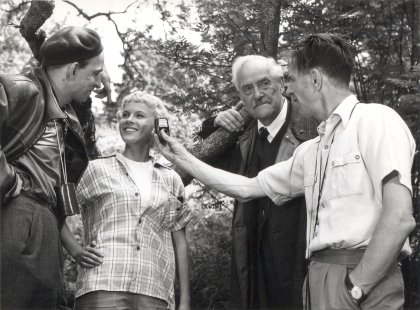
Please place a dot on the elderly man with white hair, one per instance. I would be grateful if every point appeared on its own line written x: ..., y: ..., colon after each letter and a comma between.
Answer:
x: 268, y: 261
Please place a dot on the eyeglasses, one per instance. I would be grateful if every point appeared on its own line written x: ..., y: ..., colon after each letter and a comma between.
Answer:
x: 249, y: 89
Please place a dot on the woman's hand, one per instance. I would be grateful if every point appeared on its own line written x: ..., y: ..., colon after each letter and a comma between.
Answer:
x: 89, y: 257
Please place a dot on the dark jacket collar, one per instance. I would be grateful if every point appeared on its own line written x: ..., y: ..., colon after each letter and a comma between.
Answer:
x: 52, y: 110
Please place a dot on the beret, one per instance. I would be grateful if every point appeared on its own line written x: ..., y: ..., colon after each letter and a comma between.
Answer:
x: 71, y: 44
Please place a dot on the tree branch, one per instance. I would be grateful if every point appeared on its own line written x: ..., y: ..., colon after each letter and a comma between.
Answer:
x: 214, y: 146
x: 89, y: 18
x: 240, y: 29
x: 30, y: 25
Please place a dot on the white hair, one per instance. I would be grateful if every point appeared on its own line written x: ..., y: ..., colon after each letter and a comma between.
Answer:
x: 153, y: 102
x: 275, y: 69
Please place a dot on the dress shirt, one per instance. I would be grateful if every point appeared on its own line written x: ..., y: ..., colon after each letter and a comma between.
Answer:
x: 358, y: 146
x: 136, y: 242
x: 276, y: 125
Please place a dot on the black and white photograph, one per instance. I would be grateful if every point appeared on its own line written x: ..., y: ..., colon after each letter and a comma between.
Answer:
x: 209, y: 154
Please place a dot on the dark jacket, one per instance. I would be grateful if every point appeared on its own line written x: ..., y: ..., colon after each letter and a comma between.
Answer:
x: 26, y: 106
x: 286, y: 223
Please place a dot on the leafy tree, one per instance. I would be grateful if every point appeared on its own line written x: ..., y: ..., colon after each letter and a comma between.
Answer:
x: 14, y: 51
x: 195, y: 79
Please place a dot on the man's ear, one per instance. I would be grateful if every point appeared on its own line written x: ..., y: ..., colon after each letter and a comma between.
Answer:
x: 73, y: 71
x: 316, y: 79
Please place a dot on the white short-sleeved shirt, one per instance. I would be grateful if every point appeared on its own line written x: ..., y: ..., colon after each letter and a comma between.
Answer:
x: 358, y: 145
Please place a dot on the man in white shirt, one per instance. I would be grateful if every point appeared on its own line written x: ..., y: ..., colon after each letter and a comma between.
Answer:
x: 356, y: 178
x: 268, y: 265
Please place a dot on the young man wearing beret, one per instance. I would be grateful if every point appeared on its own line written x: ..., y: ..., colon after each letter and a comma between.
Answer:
x: 38, y: 129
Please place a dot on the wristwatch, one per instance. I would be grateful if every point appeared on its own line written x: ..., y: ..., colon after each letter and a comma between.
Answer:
x: 355, y: 292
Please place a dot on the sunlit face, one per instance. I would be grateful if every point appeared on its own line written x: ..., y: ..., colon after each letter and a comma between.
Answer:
x: 259, y: 91
x: 300, y: 91
x: 87, y: 79
x: 136, y: 123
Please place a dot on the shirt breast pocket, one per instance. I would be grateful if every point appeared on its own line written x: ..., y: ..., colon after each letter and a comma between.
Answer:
x: 170, y: 212
x: 346, y: 175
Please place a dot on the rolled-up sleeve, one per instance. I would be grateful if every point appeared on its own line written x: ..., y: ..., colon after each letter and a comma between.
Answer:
x: 387, y: 145
x: 284, y: 180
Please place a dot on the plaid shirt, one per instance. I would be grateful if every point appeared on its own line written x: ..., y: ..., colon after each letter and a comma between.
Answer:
x: 137, y: 244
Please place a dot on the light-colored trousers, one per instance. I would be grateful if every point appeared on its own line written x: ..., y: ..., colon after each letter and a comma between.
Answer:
x: 329, y: 291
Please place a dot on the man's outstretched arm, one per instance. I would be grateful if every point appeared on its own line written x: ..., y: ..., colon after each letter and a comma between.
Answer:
x: 236, y: 186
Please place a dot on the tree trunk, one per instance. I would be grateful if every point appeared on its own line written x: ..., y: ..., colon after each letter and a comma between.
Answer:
x: 214, y: 146
x: 413, y: 9
x: 269, y: 29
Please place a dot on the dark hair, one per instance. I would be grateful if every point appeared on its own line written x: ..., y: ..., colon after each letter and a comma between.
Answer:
x: 329, y: 53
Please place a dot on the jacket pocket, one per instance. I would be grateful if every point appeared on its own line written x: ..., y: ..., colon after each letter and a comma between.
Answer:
x: 346, y: 175
x: 28, y: 232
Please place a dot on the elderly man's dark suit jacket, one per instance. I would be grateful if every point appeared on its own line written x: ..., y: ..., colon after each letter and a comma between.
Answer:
x: 286, y: 223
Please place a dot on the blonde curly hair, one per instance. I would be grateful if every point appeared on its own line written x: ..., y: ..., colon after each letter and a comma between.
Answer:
x: 157, y: 106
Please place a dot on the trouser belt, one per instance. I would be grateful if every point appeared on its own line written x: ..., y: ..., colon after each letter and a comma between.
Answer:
x: 338, y: 256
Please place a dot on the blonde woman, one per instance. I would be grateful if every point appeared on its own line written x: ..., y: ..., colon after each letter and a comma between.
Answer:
x: 133, y: 212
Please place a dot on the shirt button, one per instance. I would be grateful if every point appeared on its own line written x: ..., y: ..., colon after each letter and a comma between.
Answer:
x: 126, y: 174
x: 322, y: 205
x: 139, y: 221
x: 138, y: 248
x: 301, y: 130
x: 332, y: 164
x: 326, y: 147
x: 357, y: 156
x: 178, y: 209
x: 137, y: 194
x: 316, y: 234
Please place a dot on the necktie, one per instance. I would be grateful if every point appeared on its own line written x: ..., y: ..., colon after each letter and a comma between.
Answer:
x: 263, y: 133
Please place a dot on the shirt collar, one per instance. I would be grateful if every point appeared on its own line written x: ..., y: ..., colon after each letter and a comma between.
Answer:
x: 276, y: 125
x: 344, y: 110
x: 157, y: 160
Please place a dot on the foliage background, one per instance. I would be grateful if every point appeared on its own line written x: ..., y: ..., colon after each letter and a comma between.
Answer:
x: 194, y: 80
